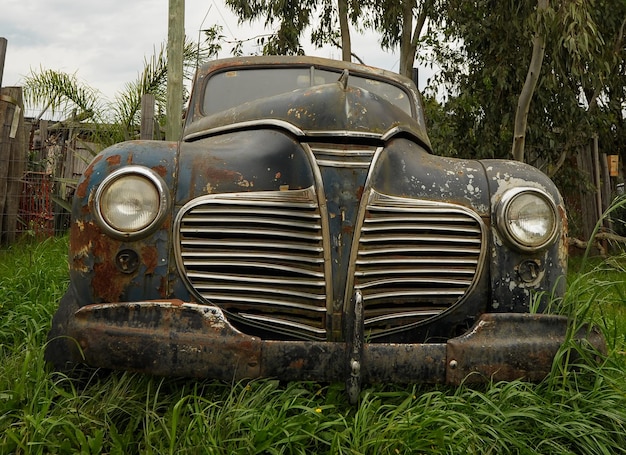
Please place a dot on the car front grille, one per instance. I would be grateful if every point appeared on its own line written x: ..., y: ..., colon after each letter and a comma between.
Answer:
x: 415, y: 260
x: 259, y: 256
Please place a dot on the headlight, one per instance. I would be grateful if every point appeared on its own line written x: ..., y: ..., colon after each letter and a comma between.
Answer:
x: 527, y: 217
x: 131, y: 202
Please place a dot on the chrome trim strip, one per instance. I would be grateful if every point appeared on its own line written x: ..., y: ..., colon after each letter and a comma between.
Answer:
x: 264, y: 290
x: 328, y: 163
x: 225, y: 243
x: 422, y: 249
x: 343, y: 156
x: 390, y: 317
x: 343, y: 152
x: 244, y: 125
x: 274, y: 321
x: 274, y: 303
x: 343, y: 133
x: 257, y: 265
x: 247, y: 279
x: 321, y: 200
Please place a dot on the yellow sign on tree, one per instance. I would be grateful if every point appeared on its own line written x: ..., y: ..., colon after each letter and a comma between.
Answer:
x: 613, y: 165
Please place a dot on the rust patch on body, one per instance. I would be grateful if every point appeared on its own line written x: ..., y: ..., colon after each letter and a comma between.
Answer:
x: 81, y: 190
x: 108, y: 284
x: 114, y: 160
x: 222, y: 175
x: 150, y: 257
x: 161, y: 170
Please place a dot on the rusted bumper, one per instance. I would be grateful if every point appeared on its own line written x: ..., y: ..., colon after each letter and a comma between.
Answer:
x: 173, y: 338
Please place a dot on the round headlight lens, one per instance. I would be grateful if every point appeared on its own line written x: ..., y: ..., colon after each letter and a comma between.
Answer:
x: 130, y: 201
x: 529, y: 218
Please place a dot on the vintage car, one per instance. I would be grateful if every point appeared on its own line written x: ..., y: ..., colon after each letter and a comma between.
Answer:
x: 302, y: 229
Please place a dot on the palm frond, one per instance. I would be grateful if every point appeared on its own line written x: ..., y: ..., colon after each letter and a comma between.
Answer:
x: 62, y: 93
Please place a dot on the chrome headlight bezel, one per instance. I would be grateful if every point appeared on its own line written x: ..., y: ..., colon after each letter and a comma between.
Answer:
x: 161, y: 206
x: 512, y: 201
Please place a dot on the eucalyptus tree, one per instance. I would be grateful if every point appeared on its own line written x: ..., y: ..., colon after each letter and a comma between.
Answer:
x: 490, y: 57
x: 290, y: 17
x: 402, y: 25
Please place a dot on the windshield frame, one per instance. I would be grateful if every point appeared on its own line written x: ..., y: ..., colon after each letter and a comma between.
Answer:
x: 296, y: 77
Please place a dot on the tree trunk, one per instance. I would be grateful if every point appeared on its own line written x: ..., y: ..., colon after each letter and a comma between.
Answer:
x: 410, y: 38
x: 346, y: 44
x: 523, y: 103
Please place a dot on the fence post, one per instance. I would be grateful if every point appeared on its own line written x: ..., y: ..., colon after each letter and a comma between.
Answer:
x: 147, y: 117
x: 12, y: 159
x: 3, y: 53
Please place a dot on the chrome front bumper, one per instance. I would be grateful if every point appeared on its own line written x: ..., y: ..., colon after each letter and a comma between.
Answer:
x: 174, y: 338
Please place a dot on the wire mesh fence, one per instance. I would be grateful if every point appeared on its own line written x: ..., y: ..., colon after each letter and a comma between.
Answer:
x: 40, y: 162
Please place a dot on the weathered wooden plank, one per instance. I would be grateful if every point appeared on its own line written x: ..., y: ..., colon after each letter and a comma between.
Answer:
x: 11, y: 148
x: 17, y: 164
x: 147, y: 117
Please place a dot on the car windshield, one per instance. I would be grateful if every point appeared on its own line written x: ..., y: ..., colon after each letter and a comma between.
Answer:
x: 231, y: 88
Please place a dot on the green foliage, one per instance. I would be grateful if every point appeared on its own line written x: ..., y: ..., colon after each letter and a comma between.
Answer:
x: 292, y: 18
x: 576, y: 410
x: 61, y: 91
x: 32, y: 277
x: 484, y: 52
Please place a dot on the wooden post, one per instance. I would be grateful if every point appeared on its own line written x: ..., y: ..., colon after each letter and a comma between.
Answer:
x: 607, y: 197
x: 588, y: 210
x: 12, y: 159
x: 147, y: 117
x: 3, y: 53
x: 597, y: 181
x: 606, y: 181
x: 175, y: 44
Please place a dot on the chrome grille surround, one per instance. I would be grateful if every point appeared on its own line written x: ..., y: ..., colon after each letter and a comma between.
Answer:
x: 415, y: 259
x: 259, y: 256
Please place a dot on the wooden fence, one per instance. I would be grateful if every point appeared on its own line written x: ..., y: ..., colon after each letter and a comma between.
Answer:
x: 13, y: 157
x: 40, y: 161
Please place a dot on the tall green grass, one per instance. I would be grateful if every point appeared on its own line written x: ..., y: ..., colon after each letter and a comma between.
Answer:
x: 579, y: 410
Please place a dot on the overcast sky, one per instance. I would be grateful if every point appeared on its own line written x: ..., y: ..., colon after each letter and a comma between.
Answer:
x: 105, y: 42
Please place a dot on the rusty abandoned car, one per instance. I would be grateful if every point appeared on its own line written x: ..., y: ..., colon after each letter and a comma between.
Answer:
x: 302, y: 229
